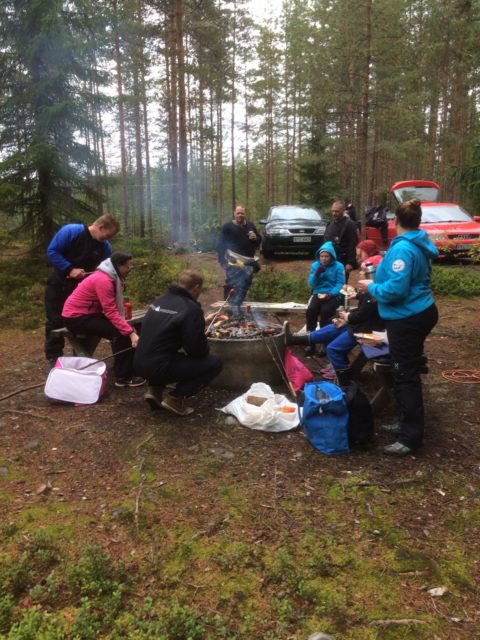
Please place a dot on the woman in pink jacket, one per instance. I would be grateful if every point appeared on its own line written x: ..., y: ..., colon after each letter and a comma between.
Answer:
x: 96, y: 308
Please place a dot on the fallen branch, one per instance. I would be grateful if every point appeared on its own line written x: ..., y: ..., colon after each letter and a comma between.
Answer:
x: 143, y: 477
x: 27, y: 413
x: 391, y: 623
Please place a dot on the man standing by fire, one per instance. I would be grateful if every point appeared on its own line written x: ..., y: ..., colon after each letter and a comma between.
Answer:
x: 239, y: 239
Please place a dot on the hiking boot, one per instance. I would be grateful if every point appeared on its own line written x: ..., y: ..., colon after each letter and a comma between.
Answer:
x: 329, y: 375
x: 391, y: 428
x: 153, y: 395
x: 344, y: 377
x: 327, y: 369
x: 176, y: 404
x: 295, y: 338
x: 397, y: 449
x: 130, y: 382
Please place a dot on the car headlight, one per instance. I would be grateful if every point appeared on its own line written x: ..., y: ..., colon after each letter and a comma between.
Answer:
x: 277, y: 232
x: 319, y: 231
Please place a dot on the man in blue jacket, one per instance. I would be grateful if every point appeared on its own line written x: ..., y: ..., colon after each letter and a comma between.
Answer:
x: 74, y: 252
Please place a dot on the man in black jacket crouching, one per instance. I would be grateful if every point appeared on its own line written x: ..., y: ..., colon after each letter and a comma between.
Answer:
x: 173, y: 346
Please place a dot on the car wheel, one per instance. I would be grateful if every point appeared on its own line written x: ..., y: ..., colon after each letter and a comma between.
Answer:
x: 267, y: 252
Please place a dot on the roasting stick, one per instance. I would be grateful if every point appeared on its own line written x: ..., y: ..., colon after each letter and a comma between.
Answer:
x: 278, y: 362
x: 230, y: 293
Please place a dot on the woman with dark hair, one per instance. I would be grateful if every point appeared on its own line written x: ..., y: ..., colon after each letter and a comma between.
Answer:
x: 96, y: 308
x: 405, y: 302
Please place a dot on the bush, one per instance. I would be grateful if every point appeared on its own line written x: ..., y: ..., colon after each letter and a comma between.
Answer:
x: 270, y: 285
x: 455, y: 281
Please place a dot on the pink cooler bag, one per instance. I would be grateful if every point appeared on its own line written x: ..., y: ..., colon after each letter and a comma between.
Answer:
x: 71, y: 380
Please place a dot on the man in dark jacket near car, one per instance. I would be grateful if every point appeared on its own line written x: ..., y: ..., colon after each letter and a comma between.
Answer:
x: 342, y: 232
x: 173, y: 346
x: 236, y: 254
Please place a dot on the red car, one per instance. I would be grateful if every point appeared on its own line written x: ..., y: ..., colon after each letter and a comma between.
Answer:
x: 450, y: 228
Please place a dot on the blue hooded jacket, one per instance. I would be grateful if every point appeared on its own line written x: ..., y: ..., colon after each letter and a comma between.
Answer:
x: 333, y: 277
x: 402, y: 279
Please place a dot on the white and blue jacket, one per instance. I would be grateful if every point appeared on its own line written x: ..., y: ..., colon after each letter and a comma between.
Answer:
x: 402, y: 279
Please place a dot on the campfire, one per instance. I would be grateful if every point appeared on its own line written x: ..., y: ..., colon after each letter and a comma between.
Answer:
x: 242, y: 329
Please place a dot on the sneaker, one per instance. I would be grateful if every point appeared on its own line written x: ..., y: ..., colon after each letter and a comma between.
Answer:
x: 329, y: 375
x: 327, y: 369
x: 397, y: 449
x: 176, y: 404
x: 130, y: 382
x: 153, y: 395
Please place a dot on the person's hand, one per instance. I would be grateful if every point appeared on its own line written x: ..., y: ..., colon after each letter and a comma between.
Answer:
x: 348, y: 268
x: 362, y: 285
x: 252, y: 235
x: 134, y: 339
x: 209, y: 317
x: 339, y: 322
x: 344, y: 315
x: 77, y: 274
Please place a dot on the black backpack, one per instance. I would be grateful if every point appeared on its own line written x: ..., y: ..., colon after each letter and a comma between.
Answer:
x: 360, y: 422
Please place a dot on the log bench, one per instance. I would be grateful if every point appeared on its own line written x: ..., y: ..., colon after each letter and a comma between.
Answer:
x: 379, y: 357
x: 85, y: 345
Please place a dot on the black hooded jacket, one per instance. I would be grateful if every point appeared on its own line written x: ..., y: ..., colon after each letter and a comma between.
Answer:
x: 174, y: 321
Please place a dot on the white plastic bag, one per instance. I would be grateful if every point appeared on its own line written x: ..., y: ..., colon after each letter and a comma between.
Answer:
x: 266, y: 417
x: 68, y: 381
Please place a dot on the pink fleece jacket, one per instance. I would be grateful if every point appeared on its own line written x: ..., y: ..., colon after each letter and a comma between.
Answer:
x: 94, y: 295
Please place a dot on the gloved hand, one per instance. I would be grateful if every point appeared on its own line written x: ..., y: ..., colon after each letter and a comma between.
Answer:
x: 319, y: 270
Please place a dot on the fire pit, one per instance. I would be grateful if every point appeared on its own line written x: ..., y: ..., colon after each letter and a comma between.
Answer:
x: 247, y: 350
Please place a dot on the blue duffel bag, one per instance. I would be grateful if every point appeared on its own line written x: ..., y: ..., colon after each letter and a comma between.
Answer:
x: 324, y: 417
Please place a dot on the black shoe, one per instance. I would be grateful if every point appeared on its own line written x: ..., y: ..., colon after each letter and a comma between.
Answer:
x: 130, y: 382
x: 397, y: 449
x: 295, y: 338
x: 344, y: 377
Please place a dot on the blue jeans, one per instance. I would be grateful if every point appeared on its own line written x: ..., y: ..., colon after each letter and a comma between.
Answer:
x: 240, y: 280
x: 339, y: 343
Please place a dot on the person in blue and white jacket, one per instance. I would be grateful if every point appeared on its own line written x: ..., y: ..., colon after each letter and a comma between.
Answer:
x: 326, y: 279
x: 405, y: 302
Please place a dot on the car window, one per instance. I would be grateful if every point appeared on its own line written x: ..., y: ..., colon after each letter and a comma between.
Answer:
x: 293, y: 213
x: 444, y: 213
x: 427, y: 194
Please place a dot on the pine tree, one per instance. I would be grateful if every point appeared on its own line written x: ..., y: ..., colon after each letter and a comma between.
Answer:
x: 44, y: 112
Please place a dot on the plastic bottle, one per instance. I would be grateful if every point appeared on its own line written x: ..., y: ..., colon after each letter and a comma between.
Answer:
x: 127, y: 307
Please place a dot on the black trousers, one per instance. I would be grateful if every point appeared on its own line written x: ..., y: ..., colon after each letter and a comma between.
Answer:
x: 98, y: 325
x: 406, y: 339
x: 190, y: 374
x: 56, y: 292
x: 325, y: 308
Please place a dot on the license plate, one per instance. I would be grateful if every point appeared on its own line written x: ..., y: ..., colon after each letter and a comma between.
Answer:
x: 302, y: 239
x: 463, y: 247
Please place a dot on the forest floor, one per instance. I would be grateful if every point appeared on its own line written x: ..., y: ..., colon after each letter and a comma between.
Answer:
x: 224, y: 532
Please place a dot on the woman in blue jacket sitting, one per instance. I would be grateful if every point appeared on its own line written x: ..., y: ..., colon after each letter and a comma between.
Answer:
x: 326, y: 279
x: 405, y: 302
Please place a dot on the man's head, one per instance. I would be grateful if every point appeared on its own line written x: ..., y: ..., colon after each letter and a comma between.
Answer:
x: 192, y: 281
x: 239, y: 214
x: 104, y: 227
x: 338, y: 210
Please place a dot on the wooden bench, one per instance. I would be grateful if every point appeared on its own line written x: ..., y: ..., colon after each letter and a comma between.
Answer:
x: 85, y: 345
x: 382, y: 366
